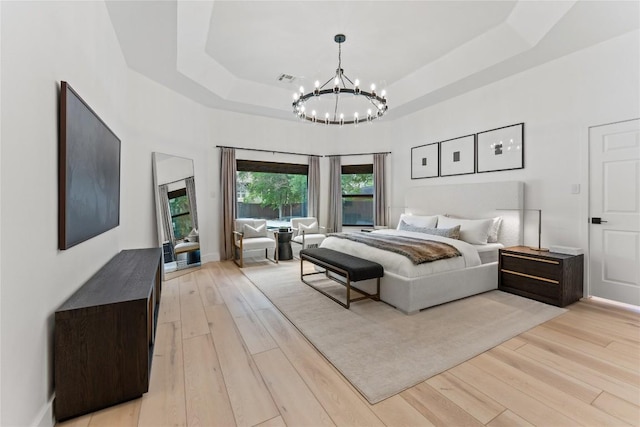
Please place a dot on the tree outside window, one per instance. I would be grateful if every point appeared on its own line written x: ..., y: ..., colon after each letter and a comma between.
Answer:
x: 276, y: 192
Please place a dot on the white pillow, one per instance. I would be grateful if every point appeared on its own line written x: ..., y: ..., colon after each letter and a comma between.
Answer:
x: 493, y: 230
x: 474, y: 231
x: 308, y: 229
x: 250, y: 232
x: 419, y: 221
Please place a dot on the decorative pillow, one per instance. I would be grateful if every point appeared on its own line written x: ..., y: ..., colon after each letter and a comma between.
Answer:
x: 474, y: 231
x: 419, y: 221
x: 493, y: 230
x: 452, y: 233
x: 308, y: 229
x: 250, y: 232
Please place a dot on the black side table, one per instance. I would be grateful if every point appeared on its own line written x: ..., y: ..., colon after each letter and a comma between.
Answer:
x: 284, y: 245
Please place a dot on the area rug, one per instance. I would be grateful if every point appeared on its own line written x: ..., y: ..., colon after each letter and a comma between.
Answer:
x: 382, y: 351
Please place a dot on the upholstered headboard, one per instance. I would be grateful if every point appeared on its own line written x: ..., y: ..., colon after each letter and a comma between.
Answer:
x: 483, y: 200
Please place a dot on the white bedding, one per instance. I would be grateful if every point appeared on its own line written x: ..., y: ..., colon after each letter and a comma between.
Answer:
x: 489, y: 252
x: 401, y: 265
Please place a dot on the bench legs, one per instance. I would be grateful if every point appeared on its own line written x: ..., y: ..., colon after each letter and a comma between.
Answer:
x: 331, y: 268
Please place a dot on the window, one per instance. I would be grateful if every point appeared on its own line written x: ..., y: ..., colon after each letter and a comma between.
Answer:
x: 357, y: 195
x: 180, y: 215
x: 273, y: 191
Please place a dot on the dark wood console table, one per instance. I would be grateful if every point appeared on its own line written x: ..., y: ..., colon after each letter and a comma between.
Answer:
x: 104, y: 335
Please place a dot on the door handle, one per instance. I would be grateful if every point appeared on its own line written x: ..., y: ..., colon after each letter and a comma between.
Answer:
x: 596, y: 220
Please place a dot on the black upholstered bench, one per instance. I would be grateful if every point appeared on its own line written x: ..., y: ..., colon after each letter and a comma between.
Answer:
x: 352, y: 268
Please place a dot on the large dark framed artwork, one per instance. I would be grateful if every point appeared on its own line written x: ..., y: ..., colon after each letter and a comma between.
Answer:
x: 88, y: 172
x: 457, y: 156
x: 501, y: 149
x: 425, y: 161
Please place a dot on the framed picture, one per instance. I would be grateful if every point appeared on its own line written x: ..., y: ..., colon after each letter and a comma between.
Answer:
x: 424, y: 161
x: 501, y: 149
x: 457, y: 156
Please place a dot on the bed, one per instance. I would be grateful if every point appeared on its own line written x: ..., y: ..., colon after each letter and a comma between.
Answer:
x: 412, y: 289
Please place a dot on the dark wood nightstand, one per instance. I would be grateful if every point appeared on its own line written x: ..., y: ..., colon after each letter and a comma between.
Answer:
x: 548, y: 277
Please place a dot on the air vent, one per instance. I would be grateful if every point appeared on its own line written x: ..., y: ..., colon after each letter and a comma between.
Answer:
x: 286, y: 78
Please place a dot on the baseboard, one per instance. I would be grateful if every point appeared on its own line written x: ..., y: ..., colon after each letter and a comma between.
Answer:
x: 211, y: 257
x: 45, y: 416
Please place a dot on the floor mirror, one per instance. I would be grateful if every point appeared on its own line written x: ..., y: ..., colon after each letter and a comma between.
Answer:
x: 176, y: 214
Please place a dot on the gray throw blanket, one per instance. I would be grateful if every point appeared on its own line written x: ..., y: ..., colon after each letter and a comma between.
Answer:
x: 417, y: 250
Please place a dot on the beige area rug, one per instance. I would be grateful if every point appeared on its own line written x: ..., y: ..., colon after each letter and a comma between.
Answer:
x: 383, y: 351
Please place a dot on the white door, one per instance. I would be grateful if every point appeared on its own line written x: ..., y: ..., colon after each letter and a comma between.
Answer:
x: 614, y: 211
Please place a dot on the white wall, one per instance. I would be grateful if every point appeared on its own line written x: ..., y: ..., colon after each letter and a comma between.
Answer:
x: 38, y: 50
x: 557, y: 101
x: 45, y: 42
x: 42, y: 44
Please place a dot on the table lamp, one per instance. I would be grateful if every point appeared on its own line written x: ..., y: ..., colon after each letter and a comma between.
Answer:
x: 533, y: 248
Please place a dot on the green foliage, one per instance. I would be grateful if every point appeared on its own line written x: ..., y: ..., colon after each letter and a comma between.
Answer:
x: 356, y: 182
x: 178, y: 206
x: 274, y: 190
x: 181, y: 226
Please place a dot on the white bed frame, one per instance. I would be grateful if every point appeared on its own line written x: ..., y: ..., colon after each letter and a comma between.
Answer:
x: 485, y: 200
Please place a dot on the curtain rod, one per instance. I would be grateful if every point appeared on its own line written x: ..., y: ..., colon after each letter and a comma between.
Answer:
x: 300, y: 154
x: 269, y: 151
x: 356, y: 154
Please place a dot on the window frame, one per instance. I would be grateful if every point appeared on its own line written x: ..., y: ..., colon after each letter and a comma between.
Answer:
x: 360, y: 169
x: 174, y: 194
x: 256, y: 166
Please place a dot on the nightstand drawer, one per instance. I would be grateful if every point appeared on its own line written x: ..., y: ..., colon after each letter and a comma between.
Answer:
x: 537, y: 267
x: 530, y: 285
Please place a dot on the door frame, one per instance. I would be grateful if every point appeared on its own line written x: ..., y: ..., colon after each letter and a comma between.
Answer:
x: 585, y: 214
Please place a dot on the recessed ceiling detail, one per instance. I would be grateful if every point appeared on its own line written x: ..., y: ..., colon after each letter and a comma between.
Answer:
x: 225, y: 54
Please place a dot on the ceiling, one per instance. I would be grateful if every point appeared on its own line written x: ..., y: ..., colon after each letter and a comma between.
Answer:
x: 229, y: 54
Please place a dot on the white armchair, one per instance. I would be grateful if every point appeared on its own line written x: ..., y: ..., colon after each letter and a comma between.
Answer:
x: 251, y: 235
x: 307, y: 232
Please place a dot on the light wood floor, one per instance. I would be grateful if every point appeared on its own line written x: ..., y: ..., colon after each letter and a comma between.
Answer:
x: 225, y: 356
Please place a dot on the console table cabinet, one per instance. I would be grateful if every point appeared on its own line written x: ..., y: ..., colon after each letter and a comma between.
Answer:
x: 104, y: 335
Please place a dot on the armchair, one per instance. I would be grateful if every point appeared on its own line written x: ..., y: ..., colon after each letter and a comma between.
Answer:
x: 251, y: 235
x: 307, y: 232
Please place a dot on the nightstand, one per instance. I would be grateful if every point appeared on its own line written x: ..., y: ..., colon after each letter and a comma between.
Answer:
x: 548, y: 277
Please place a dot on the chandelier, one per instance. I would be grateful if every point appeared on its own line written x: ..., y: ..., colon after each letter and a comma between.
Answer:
x: 342, y: 87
